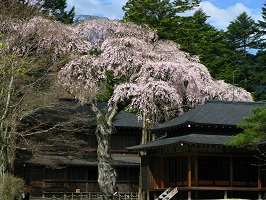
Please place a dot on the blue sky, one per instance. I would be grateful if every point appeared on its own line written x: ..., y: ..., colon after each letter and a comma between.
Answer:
x: 221, y: 12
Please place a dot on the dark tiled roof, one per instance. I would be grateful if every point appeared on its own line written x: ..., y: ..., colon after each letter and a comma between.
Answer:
x: 126, y: 160
x: 189, y: 139
x: 126, y: 119
x: 227, y: 113
x: 69, y: 109
x: 118, y: 160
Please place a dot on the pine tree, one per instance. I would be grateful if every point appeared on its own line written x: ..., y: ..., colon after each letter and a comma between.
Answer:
x: 241, y: 37
x: 262, y: 29
x: 260, y: 76
x: 260, y: 68
x: 241, y: 33
x: 254, y: 129
x: 55, y: 9
x: 161, y: 15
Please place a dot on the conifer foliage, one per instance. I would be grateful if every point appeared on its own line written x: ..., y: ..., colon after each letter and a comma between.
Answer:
x: 55, y: 9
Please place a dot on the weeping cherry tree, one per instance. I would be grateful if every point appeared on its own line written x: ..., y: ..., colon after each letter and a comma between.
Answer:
x: 132, y: 69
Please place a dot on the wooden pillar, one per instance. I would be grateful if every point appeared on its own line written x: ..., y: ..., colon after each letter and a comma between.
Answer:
x: 161, y: 173
x: 189, y: 177
x: 43, y: 182
x: 189, y: 172
x: 196, y: 171
x: 231, y: 172
x: 259, y: 174
x: 196, y: 175
x: 259, y: 178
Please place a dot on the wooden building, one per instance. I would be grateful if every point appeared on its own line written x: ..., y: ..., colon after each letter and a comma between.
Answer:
x: 70, y: 166
x: 192, y: 155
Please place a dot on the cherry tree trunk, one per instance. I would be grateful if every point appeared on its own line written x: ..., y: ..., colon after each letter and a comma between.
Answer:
x: 106, y: 172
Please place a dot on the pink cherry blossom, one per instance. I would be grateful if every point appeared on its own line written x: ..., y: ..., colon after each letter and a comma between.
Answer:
x: 156, y: 72
x: 150, y: 76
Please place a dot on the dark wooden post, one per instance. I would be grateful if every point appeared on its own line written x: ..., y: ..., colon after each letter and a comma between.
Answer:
x: 231, y: 172
x: 259, y: 179
x: 189, y: 176
x: 196, y: 174
x: 161, y: 173
x: 196, y: 171
x: 259, y: 174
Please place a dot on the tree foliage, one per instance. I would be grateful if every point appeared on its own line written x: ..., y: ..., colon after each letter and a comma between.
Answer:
x: 198, y: 37
x: 158, y: 14
x: 17, y: 9
x: 241, y: 33
x: 242, y: 36
x: 262, y: 29
x: 11, y: 187
x: 260, y: 67
x: 56, y: 10
x: 228, y: 54
x: 254, y: 130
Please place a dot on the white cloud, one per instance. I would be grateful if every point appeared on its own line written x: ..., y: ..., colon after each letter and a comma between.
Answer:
x: 220, y: 18
x: 111, y: 9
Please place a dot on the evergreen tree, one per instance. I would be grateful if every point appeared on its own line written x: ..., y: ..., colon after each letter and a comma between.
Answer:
x: 241, y: 33
x: 262, y: 29
x: 226, y: 54
x: 260, y: 68
x: 196, y: 36
x: 161, y: 15
x: 55, y: 9
x: 241, y: 37
x: 254, y: 130
x: 260, y: 76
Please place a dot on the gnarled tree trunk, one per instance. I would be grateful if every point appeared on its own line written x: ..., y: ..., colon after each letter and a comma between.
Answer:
x: 106, y: 171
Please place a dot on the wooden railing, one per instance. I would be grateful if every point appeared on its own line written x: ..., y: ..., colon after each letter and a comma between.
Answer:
x: 85, y: 196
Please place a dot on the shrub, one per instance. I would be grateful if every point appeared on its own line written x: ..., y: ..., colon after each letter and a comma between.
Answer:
x: 11, y: 187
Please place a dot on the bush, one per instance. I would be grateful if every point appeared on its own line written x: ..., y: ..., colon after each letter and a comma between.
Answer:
x: 11, y: 187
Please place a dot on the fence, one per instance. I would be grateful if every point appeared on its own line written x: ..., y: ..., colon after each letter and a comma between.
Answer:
x: 85, y: 196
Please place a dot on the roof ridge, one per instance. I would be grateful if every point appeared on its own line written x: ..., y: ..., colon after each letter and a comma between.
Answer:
x: 233, y: 101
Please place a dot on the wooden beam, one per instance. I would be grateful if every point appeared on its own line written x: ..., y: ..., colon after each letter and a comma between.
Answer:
x: 211, y: 188
x: 218, y: 188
